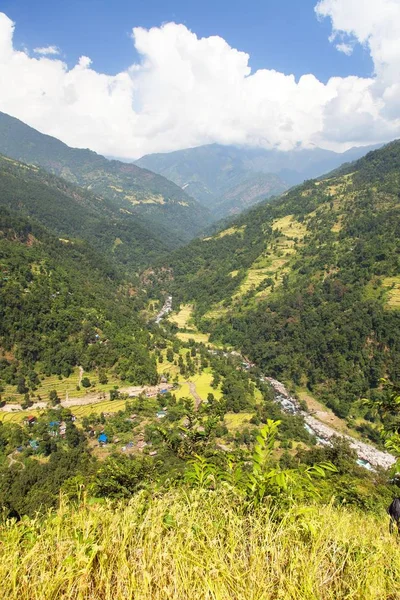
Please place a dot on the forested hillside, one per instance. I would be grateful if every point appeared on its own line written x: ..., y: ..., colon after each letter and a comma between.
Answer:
x: 132, y: 190
x: 62, y: 305
x: 308, y: 286
x: 72, y: 212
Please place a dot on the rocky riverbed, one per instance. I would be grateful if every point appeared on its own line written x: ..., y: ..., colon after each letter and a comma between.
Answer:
x: 367, y: 454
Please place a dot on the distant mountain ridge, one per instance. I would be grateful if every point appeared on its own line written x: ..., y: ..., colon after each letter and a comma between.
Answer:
x: 228, y: 179
x: 132, y: 189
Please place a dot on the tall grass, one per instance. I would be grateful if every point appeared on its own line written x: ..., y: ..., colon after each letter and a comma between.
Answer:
x: 194, y: 545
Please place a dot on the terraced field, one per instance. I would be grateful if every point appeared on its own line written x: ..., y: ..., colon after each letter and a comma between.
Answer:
x: 392, y: 284
x: 183, y: 320
x: 272, y: 263
x: 66, y: 387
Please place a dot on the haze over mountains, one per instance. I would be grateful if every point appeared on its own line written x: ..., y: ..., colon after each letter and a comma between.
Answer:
x: 179, y: 194
x: 229, y: 179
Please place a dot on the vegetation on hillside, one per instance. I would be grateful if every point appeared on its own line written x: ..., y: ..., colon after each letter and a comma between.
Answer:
x: 132, y: 190
x: 302, y: 285
x: 72, y: 212
x: 63, y: 305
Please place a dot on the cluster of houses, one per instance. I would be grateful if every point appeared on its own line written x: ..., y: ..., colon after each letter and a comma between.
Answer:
x: 59, y: 429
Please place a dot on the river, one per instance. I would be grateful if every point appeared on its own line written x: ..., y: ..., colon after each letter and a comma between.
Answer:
x: 368, y: 456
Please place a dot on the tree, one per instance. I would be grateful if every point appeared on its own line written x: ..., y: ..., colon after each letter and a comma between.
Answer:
x: 103, y: 379
x: 21, y: 386
x: 86, y: 382
x: 53, y: 397
x: 114, y: 394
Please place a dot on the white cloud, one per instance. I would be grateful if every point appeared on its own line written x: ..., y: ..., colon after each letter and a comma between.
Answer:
x: 345, y: 48
x: 47, y: 50
x: 188, y: 91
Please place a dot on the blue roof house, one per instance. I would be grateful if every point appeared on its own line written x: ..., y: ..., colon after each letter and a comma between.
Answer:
x: 103, y: 439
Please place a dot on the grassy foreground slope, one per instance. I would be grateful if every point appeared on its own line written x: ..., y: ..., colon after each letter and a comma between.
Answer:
x: 191, y: 545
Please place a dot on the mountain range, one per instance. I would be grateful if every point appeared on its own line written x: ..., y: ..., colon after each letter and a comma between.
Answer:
x: 229, y: 179
x: 132, y: 190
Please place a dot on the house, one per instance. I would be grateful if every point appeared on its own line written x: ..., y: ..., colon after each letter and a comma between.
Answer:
x: 161, y: 414
x: 153, y: 453
x: 30, y: 420
x: 62, y: 430
x: 103, y: 439
x: 34, y: 445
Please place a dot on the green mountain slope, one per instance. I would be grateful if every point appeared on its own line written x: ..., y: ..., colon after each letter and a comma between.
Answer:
x: 71, y: 212
x: 229, y: 179
x: 308, y: 286
x: 62, y: 305
x: 132, y: 190
x: 217, y: 176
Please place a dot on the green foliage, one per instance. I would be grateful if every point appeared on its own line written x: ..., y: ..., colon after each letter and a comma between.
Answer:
x: 321, y: 325
x: 62, y: 305
x: 265, y: 479
x: 131, y: 194
x: 122, y: 477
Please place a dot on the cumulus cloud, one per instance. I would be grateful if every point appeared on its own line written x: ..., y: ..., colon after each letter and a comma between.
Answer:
x: 47, y: 50
x: 187, y: 91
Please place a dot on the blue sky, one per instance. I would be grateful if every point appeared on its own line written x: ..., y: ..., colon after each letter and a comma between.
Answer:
x: 285, y: 36
x: 331, y: 82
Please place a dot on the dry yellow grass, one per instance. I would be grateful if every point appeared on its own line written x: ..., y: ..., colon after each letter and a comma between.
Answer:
x: 198, y: 545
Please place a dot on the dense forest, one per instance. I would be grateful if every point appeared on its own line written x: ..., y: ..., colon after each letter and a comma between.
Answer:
x: 72, y: 212
x: 62, y: 305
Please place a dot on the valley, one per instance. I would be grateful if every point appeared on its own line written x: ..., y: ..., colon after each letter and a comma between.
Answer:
x: 200, y: 300
x: 256, y: 361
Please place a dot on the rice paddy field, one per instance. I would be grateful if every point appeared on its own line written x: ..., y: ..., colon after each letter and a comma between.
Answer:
x: 183, y: 317
x: 236, y: 421
x: 183, y: 320
x: 198, y: 544
x: 202, y: 383
x: 107, y: 406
